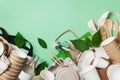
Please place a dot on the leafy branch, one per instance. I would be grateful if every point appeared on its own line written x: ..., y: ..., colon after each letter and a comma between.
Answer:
x: 83, y: 45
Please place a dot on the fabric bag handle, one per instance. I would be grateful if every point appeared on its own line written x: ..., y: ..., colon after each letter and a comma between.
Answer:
x: 92, y: 23
x: 56, y: 40
x: 10, y: 39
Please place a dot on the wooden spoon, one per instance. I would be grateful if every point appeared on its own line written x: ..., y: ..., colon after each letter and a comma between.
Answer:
x: 108, y: 24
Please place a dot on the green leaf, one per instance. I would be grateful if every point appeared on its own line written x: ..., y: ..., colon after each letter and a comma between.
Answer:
x: 40, y: 67
x: 64, y: 54
x: 86, y: 35
x: 19, y: 40
x: 96, y: 39
x: 42, y: 43
x: 88, y: 42
x: 80, y: 44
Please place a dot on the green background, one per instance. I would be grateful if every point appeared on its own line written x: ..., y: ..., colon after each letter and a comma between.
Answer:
x: 49, y: 18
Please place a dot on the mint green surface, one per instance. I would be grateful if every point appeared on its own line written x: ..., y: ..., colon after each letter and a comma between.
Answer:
x: 49, y: 18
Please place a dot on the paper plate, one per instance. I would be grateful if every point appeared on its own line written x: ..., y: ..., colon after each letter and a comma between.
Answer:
x: 67, y: 74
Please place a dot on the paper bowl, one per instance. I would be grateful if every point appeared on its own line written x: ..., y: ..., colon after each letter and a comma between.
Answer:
x: 113, y: 72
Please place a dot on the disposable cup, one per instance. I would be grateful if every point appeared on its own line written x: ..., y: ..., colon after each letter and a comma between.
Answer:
x: 90, y: 73
x: 115, y: 55
x: 100, y: 62
x: 24, y: 76
x: 19, y: 54
x: 109, y: 44
x: 113, y: 72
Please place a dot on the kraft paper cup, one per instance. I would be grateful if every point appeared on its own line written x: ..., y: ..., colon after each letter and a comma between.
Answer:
x: 15, y: 68
x: 8, y: 73
x: 1, y: 78
x: 115, y: 55
x: 90, y: 73
x: 15, y: 63
x: 24, y: 76
x: 13, y: 71
x: 113, y: 72
x: 100, y: 62
x: 6, y: 77
x: 19, y: 54
x: 16, y: 59
x: 109, y: 44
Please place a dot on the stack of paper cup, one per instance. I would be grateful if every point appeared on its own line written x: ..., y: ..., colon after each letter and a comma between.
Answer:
x: 17, y: 59
x: 112, y: 48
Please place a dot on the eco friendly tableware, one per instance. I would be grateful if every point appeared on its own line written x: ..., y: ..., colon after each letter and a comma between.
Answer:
x: 47, y: 75
x: 100, y: 62
x: 90, y: 73
x: 109, y: 44
x: 67, y: 74
x: 112, y: 48
x: 113, y: 72
x: 24, y: 76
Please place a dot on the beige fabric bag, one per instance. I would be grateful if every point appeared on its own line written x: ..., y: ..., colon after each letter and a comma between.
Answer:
x: 74, y: 52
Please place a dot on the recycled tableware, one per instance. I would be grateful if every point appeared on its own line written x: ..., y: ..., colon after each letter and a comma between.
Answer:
x: 90, y: 73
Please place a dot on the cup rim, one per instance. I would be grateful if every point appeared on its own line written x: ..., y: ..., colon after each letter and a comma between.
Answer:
x: 19, y: 53
x: 107, y: 41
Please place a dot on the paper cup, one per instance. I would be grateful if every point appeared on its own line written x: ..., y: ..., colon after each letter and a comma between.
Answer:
x: 13, y: 71
x: 100, y: 63
x: 16, y: 59
x: 90, y: 73
x: 6, y: 77
x: 15, y: 68
x: 24, y: 76
x: 8, y: 73
x: 47, y: 75
x: 15, y: 63
x: 19, y: 54
x: 109, y: 44
x: 113, y: 72
x: 115, y: 55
